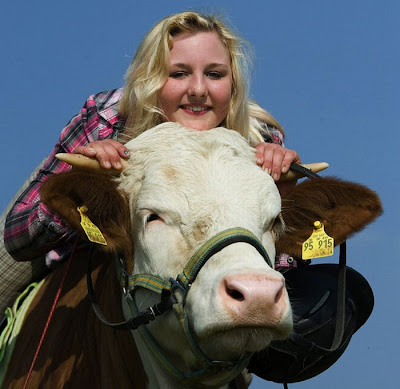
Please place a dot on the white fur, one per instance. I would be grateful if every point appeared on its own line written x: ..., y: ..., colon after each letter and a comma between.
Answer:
x: 199, y: 183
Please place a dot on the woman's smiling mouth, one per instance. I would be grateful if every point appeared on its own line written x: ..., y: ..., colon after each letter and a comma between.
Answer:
x: 195, y: 109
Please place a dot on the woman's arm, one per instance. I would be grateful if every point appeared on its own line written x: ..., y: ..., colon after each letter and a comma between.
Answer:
x: 31, y: 229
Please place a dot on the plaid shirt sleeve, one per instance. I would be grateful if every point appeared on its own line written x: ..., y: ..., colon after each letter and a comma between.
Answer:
x: 271, y: 134
x: 31, y: 230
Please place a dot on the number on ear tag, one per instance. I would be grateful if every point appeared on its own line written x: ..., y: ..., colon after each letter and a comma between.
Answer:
x: 319, y: 244
x: 91, y: 230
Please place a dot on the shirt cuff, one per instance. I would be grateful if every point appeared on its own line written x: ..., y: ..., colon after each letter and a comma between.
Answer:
x: 53, y: 222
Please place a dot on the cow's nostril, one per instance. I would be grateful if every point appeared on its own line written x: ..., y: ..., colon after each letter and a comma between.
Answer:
x: 235, y: 294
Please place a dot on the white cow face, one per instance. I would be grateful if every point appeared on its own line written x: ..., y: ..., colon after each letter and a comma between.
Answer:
x: 183, y: 192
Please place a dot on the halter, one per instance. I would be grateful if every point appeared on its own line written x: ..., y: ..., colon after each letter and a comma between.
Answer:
x: 167, y: 289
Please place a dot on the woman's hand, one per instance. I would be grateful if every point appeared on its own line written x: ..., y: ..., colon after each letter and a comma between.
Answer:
x: 276, y: 160
x: 108, y: 152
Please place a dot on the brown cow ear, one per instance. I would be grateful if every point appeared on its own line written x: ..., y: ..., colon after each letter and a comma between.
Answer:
x: 344, y: 207
x: 107, y: 206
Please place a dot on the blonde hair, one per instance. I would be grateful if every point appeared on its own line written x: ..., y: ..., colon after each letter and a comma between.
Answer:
x: 149, y: 71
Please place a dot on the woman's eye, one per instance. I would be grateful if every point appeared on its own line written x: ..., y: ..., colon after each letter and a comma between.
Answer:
x: 178, y: 74
x: 214, y: 75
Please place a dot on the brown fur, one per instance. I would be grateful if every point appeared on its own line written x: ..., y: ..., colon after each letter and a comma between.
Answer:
x: 78, y: 350
x: 107, y: 206
x: 344, y: 207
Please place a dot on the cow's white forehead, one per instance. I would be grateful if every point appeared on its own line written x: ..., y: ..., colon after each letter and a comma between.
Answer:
x: 199, y: 174
x: 167, y: 137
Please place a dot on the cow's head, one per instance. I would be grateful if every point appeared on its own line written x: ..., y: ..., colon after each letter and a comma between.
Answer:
x: 183, y: 188
x: 180, y: 188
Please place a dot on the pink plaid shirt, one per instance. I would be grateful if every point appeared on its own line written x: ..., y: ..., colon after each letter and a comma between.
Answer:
x: 31, y: 230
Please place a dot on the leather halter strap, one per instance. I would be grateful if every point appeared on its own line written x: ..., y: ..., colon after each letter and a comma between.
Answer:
x: 164, y: 287
x: 167, y: 288
x: 214, y: 245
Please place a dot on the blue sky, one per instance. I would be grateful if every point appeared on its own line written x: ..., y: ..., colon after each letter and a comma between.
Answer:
x: 328, y: 70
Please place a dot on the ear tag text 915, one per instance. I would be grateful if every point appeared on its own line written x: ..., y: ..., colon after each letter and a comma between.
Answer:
x: 91, y: 230
x: 319, y: 244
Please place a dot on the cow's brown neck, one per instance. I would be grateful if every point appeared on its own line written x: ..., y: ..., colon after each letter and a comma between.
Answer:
x: 90, y: 352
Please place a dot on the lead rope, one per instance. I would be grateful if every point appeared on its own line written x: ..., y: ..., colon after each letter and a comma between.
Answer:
x: 56, y: 298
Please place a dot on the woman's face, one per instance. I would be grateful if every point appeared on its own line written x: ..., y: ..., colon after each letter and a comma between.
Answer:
x: 199, y: 87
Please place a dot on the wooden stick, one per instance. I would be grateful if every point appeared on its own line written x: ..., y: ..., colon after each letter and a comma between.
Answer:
x: 294, y: 175
x: 80, y: 161
x: 86, y: 163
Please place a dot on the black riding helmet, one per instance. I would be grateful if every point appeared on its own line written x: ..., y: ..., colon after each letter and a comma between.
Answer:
x: 308, y: 351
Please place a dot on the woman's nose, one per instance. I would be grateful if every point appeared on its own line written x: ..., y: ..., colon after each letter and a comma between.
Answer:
x: 198, y: 86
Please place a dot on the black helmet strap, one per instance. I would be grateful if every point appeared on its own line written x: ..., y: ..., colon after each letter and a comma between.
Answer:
x: 341, y: 291
x: 341, y: 305
x: 341, y: 299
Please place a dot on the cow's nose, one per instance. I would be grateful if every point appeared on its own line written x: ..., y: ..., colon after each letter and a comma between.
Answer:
x: 254, y: 299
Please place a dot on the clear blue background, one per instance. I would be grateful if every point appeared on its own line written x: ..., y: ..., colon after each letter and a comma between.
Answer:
x: 328, y: 70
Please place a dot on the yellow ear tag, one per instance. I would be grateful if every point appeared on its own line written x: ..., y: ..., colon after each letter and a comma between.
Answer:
x: 319, y: 244
x: 91, y: 230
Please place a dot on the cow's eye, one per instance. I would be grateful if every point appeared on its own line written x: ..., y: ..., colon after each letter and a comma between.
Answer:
x: 151, y: 217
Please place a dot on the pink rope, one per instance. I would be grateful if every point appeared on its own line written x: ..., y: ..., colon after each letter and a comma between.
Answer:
x: 57, y: 297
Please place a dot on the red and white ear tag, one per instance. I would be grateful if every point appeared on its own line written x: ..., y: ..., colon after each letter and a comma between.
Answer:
x: 91, y: 230
x: 319, y: 244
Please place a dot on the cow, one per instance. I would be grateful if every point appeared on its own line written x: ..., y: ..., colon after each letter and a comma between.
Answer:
x: 192, y: 223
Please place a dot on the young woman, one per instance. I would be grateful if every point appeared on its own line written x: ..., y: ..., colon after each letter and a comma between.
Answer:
x: 191, y: 69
